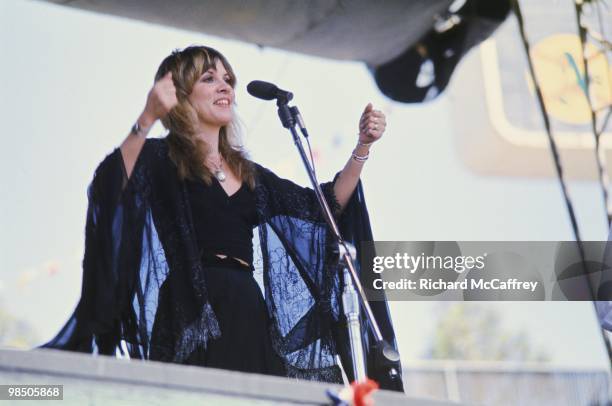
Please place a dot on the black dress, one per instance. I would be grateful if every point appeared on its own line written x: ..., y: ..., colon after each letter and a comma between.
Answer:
x: 224, y: 224
x: 145, y: 288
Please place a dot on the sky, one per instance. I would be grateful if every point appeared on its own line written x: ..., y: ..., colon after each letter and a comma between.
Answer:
x: 73, y: 82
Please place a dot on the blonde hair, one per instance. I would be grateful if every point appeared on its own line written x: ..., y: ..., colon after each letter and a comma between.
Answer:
x: 187, y: 151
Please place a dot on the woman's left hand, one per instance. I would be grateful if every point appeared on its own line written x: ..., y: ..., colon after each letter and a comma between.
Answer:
x: 371, y: 125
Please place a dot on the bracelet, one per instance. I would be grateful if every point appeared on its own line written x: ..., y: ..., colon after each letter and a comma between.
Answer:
x: 360, y: 158
x: 138, y: 130
x: 364, y: 144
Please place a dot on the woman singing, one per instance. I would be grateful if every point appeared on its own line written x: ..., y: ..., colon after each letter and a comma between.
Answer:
x: 168, y: 265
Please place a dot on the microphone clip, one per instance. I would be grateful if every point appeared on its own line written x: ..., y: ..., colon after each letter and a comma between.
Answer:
x: 285, y: 114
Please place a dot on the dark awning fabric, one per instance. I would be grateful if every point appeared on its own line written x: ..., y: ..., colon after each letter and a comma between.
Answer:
x: 384, y: 35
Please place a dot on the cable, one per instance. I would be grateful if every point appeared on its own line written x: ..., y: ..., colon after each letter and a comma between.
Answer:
x: 555, y: 153
x: 600, y: 157
x: 312, y: 162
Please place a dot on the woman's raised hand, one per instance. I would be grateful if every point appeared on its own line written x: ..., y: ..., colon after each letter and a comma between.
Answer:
x: 161, y: 99
x: 371, y: 125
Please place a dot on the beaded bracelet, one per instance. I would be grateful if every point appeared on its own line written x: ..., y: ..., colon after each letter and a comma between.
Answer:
x: 360, y: 158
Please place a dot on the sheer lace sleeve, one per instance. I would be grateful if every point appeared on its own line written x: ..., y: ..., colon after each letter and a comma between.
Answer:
x: 302, y: 278
x: 115, y: 217
x: 143, y: 287
x: 290, y: 199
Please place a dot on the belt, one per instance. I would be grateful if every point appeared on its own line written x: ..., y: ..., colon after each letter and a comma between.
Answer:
x: 211, y: 259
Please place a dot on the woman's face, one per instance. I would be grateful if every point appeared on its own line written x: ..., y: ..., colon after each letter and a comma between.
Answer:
x: 213, y: 97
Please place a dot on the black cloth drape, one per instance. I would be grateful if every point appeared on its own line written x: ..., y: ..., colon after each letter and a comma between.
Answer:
x: 139, y: 234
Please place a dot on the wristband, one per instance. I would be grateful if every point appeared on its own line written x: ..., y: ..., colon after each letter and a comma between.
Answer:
x: 360, y: 158
x: 138, y: 130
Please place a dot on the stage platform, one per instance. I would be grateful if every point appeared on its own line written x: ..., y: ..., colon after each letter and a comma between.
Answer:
x: 100, y: 380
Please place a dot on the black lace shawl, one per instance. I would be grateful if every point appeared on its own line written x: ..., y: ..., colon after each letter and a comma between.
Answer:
x: 139, y: 234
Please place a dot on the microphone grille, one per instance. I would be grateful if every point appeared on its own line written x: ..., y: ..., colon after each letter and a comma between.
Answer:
x: 262, y: 90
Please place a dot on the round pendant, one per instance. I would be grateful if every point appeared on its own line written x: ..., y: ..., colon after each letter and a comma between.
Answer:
x: 220, y: 175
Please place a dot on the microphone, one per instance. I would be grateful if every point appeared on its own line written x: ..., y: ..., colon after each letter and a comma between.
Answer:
x: 268, y: 91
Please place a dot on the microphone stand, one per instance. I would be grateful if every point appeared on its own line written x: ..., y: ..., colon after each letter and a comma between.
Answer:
x: 386, y: 357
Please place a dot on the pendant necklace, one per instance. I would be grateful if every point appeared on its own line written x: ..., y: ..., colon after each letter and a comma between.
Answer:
x: 219, y: 174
